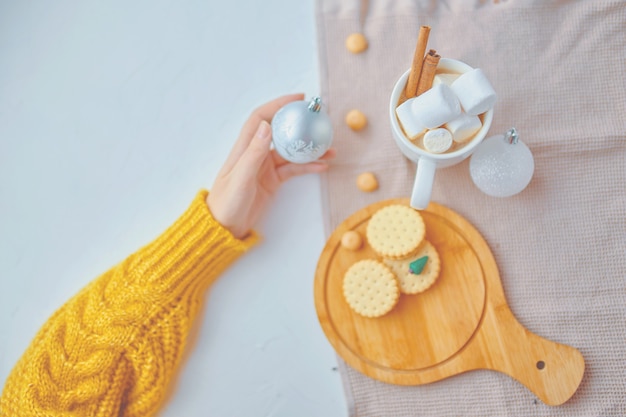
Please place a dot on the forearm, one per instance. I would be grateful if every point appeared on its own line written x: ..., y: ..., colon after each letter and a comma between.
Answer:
x: 121, y: 337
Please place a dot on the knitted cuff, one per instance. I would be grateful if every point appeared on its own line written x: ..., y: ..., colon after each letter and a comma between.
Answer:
x: 195, y: 248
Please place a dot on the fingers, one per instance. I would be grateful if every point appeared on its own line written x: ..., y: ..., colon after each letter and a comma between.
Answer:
x: 293, y: 170
x: 257, y: 151
x: 329, y: 154
x: 264, y: 112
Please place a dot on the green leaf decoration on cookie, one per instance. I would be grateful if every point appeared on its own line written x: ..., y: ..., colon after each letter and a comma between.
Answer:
x: 417, y: 266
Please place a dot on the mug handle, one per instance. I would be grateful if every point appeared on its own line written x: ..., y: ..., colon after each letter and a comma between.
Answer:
x: 423, y: 185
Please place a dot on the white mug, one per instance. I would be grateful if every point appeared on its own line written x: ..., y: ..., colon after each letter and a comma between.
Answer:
x: 428, y: 162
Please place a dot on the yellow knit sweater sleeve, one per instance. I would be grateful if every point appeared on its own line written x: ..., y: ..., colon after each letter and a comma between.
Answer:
x: 112, y: 349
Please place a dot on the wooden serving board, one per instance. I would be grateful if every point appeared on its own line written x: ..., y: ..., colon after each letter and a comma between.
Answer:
x: 460, y: 324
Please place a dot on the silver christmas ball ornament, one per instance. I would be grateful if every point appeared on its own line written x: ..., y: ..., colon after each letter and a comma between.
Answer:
x: 502, y: 165
x: 302, y: 131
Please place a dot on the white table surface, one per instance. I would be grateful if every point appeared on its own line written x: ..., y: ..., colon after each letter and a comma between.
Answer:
x: 112, y: 116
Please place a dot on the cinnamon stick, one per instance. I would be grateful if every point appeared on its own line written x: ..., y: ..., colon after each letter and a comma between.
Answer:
x: 428, y: 71
x: 418, y: 61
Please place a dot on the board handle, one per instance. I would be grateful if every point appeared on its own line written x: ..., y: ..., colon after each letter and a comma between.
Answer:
x: 552, y: 371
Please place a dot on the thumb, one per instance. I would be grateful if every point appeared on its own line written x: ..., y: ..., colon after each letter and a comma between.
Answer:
x: 258, y: 149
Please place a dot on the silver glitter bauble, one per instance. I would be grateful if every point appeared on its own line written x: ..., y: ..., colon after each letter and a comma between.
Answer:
x: 301, y: 131
x: 502, y: 166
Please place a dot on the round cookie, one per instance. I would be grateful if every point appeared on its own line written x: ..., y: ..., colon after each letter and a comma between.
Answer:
x: 352, y: 240
x: 356, y: 120
x: 370, y: 288
x: 395, y: 231
x: 411, y: 282
x: 356, y: 43
x: 367, y: 182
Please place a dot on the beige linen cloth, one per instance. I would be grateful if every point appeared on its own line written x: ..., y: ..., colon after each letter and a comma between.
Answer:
x: 559, y: 68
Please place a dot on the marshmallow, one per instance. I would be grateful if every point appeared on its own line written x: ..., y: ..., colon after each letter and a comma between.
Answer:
x: 410, y: 124
x: 436, y: 106
x: 446, y: 79
x: 474, y: 92
x: 463, y: 127
x: 438, y: 140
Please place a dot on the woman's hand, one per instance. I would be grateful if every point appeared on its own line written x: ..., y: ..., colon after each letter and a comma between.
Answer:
x: 252, y: 173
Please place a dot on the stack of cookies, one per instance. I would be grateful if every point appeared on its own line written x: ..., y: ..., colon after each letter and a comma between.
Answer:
x: 408, y: 263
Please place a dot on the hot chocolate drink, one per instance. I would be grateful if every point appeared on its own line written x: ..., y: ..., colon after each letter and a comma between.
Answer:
x: 447, y: 116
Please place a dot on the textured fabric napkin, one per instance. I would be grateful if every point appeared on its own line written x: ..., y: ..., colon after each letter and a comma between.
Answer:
x: 559, y: 70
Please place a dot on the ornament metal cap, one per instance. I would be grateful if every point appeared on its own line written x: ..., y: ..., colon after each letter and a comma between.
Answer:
x: 511, y: 136
x: 316, y: 104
